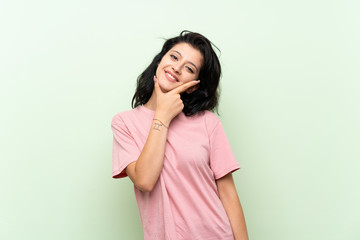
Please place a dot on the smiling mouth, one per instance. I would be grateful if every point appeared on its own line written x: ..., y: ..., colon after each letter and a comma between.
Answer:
x: 171, y: 77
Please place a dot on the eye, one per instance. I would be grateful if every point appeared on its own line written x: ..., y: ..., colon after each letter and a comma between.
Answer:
x: 173, y: 57
x: 190, y: 69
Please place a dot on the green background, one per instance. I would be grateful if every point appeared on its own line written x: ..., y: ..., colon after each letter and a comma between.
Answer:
x: 289, y: 105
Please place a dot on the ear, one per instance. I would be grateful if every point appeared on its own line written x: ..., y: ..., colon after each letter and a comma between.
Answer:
x: 192, y: 89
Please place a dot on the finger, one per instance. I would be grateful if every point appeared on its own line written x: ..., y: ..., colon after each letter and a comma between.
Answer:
x: 185, y: 86
x: 156, y: 85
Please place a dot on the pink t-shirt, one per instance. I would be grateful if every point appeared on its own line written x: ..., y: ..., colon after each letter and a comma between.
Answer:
x: 184, y: 203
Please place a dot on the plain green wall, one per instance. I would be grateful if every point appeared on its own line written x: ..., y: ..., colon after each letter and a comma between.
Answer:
x: 289, y: 104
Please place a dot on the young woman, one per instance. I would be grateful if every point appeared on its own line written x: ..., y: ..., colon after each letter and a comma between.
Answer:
x: 174, y: 149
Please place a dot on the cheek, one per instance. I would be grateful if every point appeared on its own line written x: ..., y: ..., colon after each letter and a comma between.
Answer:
x: 163, y: 62
x: 194, y: 77
x: 160, y: 66
x: 158, y: 69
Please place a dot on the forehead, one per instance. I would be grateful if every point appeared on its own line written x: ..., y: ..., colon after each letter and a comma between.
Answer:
x: 188, y: 52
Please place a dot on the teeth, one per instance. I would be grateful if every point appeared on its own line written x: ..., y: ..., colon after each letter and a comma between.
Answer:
x: 171, y: 76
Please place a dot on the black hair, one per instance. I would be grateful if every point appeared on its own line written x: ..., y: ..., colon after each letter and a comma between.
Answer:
x: 206, y: 97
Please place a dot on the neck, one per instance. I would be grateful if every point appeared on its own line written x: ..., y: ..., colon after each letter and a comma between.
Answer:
x: 151, y: 104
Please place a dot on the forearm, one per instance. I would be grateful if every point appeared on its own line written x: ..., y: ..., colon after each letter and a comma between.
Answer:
x: 145, y: 172
x: 236, y: 216
x: 230, y: 200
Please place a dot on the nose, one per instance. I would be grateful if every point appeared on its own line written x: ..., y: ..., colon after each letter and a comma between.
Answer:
x: 176, y: 67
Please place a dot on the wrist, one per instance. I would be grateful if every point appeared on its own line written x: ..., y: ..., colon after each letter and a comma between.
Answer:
x: 160, y: 122
x: 162, y: 119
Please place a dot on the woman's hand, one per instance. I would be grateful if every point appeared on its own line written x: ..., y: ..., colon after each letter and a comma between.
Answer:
x: 145, y: 171
x: 169, y: 105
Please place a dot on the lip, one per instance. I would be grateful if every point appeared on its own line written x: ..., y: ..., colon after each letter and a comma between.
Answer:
x: 169, y: 78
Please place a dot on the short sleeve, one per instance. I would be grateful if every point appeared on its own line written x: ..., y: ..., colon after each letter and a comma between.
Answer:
x: 222, y: 159
x: 125, y: 150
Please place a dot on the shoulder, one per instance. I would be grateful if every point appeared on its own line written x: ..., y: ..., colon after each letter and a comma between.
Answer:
x: 119, y: 118
x: 206, y: 115
x: 209, y: 119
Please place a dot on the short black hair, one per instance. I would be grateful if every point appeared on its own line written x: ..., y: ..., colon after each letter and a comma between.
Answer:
x: 206, y: 97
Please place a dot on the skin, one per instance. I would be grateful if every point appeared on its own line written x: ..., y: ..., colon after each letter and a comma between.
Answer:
x: 176, y: 73
x: 183, y: 62
x: 230, y: 200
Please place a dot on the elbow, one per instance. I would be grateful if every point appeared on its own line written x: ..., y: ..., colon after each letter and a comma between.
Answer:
x: 140, y: 180
x: 145, y: 186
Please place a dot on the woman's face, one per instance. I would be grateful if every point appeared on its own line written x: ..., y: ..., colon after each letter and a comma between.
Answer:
x: 181, y: 64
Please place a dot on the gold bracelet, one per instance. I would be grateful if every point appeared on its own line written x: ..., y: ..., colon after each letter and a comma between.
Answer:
x: 161, y: 122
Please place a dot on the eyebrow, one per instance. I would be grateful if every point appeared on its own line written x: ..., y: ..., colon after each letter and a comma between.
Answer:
x: 189, y: 61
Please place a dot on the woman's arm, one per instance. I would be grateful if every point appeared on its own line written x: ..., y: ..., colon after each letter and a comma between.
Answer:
x: 145, y: 171
x: 230, y: 200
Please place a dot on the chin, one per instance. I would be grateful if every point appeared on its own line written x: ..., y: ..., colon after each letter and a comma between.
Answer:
x: 166, y: 86
x: 166, y: 89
